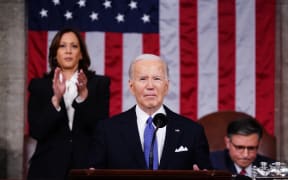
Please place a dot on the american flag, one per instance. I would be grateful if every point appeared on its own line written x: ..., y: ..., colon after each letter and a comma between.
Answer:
x: 221, y: 53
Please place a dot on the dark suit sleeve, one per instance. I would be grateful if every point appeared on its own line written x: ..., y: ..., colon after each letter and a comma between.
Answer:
x: 218, y: 160
x: 96, y: 105
x: 42, y: 115
x: 202, y: 150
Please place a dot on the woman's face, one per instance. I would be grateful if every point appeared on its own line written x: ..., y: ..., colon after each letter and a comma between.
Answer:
x: 69, y: 53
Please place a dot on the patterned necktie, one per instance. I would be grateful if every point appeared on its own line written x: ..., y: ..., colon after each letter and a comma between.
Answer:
x: 243, y: 172
x: 148, y: 135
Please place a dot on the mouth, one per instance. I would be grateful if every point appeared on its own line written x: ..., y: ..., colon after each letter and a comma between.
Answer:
x: 150, y: 95
x: 68, y: 59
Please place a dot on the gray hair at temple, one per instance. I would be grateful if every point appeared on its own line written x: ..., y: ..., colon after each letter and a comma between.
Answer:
x: 150, y: 57
x: 244, y: 126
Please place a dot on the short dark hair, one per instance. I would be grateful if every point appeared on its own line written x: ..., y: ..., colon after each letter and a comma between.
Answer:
x: 244, y: 126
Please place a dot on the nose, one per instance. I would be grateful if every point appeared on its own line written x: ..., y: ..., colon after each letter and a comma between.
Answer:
x: 150, y: 83
x: 245, y: 152
x: 68, y: 49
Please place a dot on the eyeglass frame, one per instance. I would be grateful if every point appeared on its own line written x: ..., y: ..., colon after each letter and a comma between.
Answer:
x: 241, y: 149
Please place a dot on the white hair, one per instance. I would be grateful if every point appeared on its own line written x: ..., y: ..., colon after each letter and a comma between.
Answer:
x: 148, y: 57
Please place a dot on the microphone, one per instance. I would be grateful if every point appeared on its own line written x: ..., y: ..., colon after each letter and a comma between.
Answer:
x: 160, y: 120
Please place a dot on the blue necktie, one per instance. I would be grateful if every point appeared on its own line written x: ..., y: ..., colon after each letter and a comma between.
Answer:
x: 148, y: 135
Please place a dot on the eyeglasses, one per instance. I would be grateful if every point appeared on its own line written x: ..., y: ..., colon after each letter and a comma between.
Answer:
x: 241, y: 149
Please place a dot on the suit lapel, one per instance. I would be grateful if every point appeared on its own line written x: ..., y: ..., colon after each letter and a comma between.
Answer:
x: 230, y: 164
x: 132, y: 138
x: 173, y: 133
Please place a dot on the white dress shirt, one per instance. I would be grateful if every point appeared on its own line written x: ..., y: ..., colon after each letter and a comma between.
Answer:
x: 247, y: 169
x: 69, y: 96
x: 141, y: 123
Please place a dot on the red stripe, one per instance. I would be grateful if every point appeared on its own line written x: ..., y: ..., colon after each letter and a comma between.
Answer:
x: 188, y: 56
x: 37, y: 54
x: 113, y: 69
x: 265, y: 62
x: 151, y: 43
x: 227, y: 56
x: 36, y: 62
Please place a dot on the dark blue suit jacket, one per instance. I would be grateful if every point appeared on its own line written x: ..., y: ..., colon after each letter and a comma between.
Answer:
x: 221, y: 161
x: 117, y: 144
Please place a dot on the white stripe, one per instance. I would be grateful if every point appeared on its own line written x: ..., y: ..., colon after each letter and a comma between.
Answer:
x: 245, y: 56
x: 169, y: 48
x: 207, y: 57
x: 50, y: 37
x: 96, y: 48
x: 132, y: 47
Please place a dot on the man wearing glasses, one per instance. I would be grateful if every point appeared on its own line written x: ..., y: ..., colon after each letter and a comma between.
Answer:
x: 242, y: 141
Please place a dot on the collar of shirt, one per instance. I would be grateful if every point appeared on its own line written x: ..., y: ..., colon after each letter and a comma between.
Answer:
x: 141, y: 123
x: 73, y: 79
x: 69, y: 96
x: 248, y: 170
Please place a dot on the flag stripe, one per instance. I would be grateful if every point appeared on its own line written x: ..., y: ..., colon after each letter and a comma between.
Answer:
x: 207, y: 57
x: 245, y: 56
x: 133, y: 46
x: 169, y: 48
x: 226, y: 60
x: 188, y: 56
x: 265, y: 62
x: 95, y: 45
x: 37, y: 53
x: 113, y: 68
x: 151, y: 43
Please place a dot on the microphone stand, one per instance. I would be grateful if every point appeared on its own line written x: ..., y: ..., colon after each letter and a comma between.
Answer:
x: 160, y: 121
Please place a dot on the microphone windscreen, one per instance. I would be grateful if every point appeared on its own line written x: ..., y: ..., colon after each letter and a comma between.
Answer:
x: 160, y: 120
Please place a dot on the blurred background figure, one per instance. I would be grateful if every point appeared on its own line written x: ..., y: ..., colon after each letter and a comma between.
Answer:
x: 242, y: 141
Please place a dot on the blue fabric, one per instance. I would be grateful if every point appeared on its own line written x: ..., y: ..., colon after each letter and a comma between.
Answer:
x: 148, y: 135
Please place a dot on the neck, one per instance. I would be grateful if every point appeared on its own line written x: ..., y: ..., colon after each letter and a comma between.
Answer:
x: 67, y: 73
x: 150, y: 111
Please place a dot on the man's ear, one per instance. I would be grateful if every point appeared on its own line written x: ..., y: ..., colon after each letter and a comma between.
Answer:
x: 131, y: 87
x: 227, y: 142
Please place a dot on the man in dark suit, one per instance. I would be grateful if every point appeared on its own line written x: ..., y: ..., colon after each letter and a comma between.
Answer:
x: 242, y: 142
x: 120, y: 140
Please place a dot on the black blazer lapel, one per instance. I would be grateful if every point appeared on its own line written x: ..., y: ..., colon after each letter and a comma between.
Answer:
x: 132, y: 138
x: 173, y: 133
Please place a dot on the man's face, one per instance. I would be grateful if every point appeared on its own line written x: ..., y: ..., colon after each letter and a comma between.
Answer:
x: 149, y: 84
x: 242, y: 149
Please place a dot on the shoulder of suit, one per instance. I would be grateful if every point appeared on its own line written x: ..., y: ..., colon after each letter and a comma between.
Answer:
x: 43, y: 81
x: 123, y: 116
x: 180, y: 118
x: 97, y: 77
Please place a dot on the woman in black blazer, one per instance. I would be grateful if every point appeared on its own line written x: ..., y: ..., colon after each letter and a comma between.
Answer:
x: 64, y: 107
